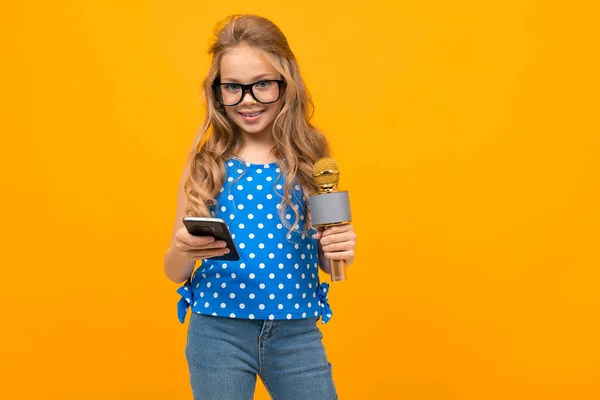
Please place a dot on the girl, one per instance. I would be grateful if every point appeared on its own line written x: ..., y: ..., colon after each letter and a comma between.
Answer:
x: 251, y: 166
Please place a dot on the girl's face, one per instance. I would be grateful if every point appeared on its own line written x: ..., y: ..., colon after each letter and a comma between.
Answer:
x: 245, y: 65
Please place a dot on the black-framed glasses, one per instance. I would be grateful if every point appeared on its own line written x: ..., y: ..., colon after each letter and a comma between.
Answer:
x: 265, y: 91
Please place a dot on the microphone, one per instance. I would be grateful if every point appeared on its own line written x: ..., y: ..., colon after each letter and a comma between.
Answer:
x: 330, y: 206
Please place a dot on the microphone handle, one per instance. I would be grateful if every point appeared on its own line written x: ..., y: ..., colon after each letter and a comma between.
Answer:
x: 337, y: 267
x: 338, y: 270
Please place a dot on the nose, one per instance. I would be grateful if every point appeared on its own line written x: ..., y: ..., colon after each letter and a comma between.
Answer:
x: 247, y: 97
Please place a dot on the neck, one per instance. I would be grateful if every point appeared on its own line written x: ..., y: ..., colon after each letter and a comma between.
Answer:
x: 256, y: 148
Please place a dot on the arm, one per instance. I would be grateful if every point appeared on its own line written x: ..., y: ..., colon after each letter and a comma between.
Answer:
x: 324, y: 264
x: 185, y: 249
x: 178, y: 267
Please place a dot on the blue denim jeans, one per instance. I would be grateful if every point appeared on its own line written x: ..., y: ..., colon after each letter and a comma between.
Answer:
x: 226, y: 354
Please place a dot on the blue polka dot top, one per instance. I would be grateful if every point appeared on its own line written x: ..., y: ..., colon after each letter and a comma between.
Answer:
x: 277, y: 275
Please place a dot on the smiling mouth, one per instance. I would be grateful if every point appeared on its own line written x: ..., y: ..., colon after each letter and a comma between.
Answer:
x: 250, y: 115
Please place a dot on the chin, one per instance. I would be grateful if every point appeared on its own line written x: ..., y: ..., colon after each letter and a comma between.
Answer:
x: 257, y: 131
x: 253, y: 130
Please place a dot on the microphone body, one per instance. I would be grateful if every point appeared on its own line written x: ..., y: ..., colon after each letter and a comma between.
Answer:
x: 330, y: 206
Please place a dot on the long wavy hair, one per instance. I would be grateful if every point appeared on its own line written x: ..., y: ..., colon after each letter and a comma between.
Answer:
x: 298, y: 144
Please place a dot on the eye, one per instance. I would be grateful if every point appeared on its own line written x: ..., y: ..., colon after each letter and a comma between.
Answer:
x: 231, y: 87
x: 262, y: 84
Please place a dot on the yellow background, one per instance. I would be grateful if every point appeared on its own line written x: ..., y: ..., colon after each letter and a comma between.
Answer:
x: 467, y: 134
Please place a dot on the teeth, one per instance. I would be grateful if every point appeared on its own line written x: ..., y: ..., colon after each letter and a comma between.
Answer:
x: 251, y: 115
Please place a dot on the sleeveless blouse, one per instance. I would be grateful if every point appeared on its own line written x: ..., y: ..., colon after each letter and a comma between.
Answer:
x: 277, y: 275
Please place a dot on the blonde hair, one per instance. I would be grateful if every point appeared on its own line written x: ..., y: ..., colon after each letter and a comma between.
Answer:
x: 297, y: 143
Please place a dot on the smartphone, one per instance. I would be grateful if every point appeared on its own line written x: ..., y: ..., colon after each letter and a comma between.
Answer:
x: 215, y: 227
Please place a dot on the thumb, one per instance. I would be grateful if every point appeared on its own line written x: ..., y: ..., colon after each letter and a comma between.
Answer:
x: 319, y: 233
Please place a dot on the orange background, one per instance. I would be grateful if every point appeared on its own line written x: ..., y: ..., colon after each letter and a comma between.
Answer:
x: 467, y: 134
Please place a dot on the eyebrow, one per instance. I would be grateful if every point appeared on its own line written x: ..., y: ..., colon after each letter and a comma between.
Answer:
x: 255, y: 79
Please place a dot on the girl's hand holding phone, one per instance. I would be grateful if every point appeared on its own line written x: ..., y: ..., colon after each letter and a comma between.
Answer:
x: 199, y: 247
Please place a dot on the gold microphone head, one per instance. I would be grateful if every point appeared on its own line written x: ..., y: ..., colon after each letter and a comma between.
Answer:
x: 326, y: 174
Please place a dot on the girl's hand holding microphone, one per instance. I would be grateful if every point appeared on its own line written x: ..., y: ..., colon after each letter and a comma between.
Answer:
x: 338, y: 242
x: 199, y: 247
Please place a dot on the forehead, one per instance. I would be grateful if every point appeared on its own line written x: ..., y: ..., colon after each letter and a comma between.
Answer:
x: 244, y: 64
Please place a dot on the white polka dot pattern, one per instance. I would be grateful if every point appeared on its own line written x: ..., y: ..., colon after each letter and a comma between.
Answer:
x: 267, y: 282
